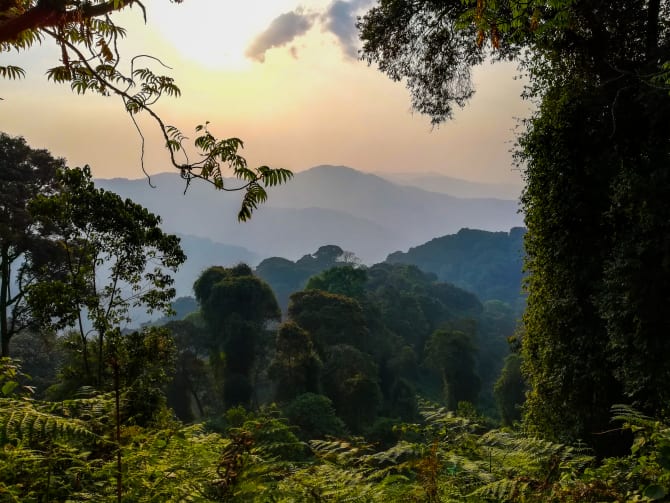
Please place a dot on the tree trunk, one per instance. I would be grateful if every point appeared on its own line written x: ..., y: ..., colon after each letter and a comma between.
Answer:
x: 4, y: 299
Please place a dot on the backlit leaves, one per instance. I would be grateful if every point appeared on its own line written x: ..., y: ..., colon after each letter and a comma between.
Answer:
x: 90, y: 62
x: 216, y: 153
x: 12, y: 72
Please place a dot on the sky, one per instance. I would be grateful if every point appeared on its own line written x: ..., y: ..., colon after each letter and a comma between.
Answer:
x: 284, y: 76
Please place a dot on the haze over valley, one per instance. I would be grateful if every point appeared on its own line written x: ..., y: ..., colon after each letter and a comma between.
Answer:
x: 363, y: 213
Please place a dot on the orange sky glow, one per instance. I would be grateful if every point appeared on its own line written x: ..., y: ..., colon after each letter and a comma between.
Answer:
x: 296, y: 104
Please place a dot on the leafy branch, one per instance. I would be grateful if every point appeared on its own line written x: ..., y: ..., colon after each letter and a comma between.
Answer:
x: 87, y: 38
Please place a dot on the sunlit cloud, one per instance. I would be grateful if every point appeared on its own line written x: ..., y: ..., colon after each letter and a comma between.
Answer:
x: 282, y: 31
x: 338, y: 18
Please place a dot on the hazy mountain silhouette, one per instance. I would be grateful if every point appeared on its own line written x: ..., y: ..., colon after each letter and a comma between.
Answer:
x: 326, y: 204
x: 436, y: 182
x: 487, y: 263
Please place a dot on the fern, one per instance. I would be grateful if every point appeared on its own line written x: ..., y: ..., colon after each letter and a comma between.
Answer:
x: 171, y: 465
x: 22, y: 420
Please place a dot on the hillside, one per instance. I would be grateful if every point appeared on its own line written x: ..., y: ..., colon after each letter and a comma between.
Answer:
x: 486, y: 263
x: 326, y: 204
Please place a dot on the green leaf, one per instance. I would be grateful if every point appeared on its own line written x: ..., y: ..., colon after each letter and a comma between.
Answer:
x: 12, y: 72
x: 9, y: 387
x: 654, y: 492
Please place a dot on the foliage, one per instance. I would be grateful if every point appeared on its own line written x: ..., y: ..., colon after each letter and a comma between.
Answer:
x: 510, y: 390
x: 295, y: 367
x: 413, y: 304
x: 451, y: 353
x: 87, y: 37
x: 146, y: 363
x: 488, y: 264
x: 24, y: 174
x: 236, y: 306
x: 593, y: 155
x: 314, y: 416
x: 427, y: 45
x: 61, y: 451
x: 287, y: 277
x: 345, y: 280
x: 190, y: 392
x: 329, y: 318
x: 350, y: 380
x: 41, y: 355
x: 112, y: 255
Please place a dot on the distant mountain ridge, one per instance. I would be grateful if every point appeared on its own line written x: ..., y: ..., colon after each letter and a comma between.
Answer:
x: 436, y: 182
x: 489, y: 264
x: 360, y: 212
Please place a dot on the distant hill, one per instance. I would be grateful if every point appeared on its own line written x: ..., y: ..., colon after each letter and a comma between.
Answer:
x: 436, y: 182
x: 488, y: 264
x: 326, y: 204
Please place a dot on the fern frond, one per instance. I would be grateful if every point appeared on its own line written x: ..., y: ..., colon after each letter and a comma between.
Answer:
x: 21, y: 419
x: 630, y: 416
x: 502, y: 490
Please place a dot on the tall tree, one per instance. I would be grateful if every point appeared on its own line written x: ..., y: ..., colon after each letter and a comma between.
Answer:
x: 452, y: 353
x: 237, y: 307
x: 595, y: 158
x: 350, y: 380
x: 24, y: 174
x: 329, y: 318
x: 296, y: 367
x: 601, y: 187
x: 112, y: 256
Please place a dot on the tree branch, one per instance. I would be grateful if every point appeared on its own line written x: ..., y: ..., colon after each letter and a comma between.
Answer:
x: 47, y: 15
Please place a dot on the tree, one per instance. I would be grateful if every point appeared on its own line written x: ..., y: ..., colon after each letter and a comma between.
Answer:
x: 24, y: 174
x: 112, y: 256
x: 510, y: 390
x: 143, y: 363
x: 87, y: 37
x: 344, y: 280
x: 451, y: 353
x: 488, y: 264
x: 607, y: 121
x: 413, y: 304
x: 296, y: 367
x: 237, y: 307
x: 287, y: 277
x: 314, y: 415
x: 350, y: 380
x: 594, y: 156
x: 329, y: 318
x: 188, y: 391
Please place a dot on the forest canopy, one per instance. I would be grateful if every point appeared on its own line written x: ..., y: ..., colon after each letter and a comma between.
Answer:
x: 594, y: 157
x: 380, y: 383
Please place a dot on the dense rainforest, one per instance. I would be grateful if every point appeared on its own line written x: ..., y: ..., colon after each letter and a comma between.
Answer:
x: 379, y: 383
x: 363, y: 384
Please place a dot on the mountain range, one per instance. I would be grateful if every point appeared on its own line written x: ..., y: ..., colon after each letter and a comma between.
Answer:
x: 436, y: 182
x: 360, y: 212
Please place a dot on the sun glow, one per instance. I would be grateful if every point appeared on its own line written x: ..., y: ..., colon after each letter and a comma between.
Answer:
x: 213, y: 33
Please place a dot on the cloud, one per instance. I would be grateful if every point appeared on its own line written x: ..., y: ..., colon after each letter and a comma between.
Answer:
x: 282, y: 30
x: 340, y: 20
